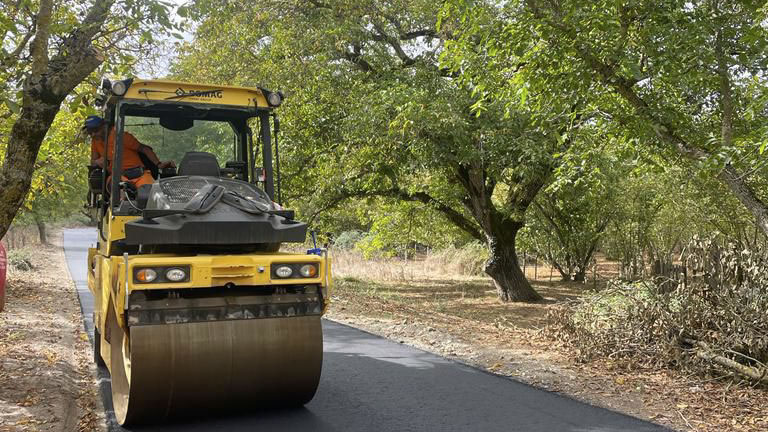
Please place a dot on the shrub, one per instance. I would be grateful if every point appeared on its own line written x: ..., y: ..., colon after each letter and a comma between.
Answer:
x: 713, y: 318
x: 19, y: 259
x: 348, y: 239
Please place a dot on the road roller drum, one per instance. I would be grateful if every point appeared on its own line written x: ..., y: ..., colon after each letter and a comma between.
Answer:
x: 171, y: 370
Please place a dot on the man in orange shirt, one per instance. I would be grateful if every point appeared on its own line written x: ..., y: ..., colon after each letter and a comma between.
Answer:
x: 133, y: 168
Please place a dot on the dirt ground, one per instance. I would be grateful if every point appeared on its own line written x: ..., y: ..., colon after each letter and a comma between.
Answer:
x: 461, y: 318
x: 47, y: 378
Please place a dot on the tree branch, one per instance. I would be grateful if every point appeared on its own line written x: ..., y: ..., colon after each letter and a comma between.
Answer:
x: 393, y: 42
x: 39, y: 47
x: 355, y: 57
x: 12, y: 58
x: 455, y: 217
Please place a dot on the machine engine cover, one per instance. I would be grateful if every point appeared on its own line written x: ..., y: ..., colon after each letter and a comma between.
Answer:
x: 242, y: 218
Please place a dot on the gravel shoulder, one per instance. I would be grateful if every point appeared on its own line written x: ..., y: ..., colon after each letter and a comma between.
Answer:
x: 47, y: 378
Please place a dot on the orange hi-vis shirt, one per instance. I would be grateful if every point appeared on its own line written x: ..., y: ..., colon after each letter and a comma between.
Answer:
x: 131, y: 146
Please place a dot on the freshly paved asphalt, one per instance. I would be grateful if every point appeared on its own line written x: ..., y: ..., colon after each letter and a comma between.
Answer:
x: 373, y: 384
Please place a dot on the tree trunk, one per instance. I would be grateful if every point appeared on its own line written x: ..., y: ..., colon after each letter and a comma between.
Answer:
x: 26, y: 136
x: 580, y: 275
x: 41, y: 229
x: 503, y: 267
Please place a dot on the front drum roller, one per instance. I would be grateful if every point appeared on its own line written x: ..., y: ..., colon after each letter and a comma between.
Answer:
x: 167, y: 370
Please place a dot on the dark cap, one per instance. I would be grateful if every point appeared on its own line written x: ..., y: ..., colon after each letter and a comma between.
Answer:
x: 93, y: 122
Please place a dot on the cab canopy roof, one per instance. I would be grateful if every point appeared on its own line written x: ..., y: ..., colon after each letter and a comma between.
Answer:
x: 151, y: 92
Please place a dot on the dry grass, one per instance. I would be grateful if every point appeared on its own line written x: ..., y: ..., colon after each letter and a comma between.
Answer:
x: 443, y: 283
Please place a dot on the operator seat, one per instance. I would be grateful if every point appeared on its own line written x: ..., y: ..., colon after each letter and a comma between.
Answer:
x: 200, y: 164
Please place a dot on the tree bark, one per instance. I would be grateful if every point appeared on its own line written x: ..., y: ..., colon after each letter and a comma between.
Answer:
x: 503, y: 267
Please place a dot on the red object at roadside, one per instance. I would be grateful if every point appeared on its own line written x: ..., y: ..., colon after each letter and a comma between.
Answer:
x: 3, y: 266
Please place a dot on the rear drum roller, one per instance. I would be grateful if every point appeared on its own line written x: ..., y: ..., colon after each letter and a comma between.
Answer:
x: 167, y: 370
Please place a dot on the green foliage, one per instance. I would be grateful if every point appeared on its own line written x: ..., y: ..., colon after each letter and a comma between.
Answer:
x: 371, y: 113
x: 130, y: 33
x: 59, y: 185
x: 571, y: 215
x: 673, y: 78
x: 209, y: 136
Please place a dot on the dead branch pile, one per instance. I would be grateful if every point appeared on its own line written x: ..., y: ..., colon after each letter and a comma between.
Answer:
x: 716, y: 321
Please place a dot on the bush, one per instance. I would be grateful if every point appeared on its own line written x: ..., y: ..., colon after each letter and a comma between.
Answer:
x: 19, y: 259
x: 348, y: 239
x: 714, y: 318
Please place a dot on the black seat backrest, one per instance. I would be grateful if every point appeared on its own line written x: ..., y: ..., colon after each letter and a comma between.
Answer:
x: 199, y: 163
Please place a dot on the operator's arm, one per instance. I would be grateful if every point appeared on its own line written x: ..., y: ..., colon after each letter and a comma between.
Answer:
x: 134, y: 144
x: 147, y: 150
x: 96, y: 157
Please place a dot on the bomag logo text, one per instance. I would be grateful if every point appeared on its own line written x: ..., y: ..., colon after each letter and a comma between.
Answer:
x: 210, y: 94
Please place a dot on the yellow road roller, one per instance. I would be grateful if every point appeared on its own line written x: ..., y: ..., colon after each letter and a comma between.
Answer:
x: 197, y: 309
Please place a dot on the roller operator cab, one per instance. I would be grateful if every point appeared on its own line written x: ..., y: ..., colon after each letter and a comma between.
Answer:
x: 196, y: 309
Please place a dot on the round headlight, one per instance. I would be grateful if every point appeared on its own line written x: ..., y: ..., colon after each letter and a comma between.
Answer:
x: 274, y: 99
x: 308, y: 270
x: 284, y: 271
x: 175, y: 275
x: 119, y: 88
x: 146, y: 275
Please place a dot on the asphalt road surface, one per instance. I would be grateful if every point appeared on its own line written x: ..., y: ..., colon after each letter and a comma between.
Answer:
x: 373, y: 384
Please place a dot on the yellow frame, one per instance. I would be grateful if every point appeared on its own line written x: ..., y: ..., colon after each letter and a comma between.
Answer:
x: 175, y: 91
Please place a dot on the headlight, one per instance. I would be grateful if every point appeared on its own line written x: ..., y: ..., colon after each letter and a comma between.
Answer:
x: 146, y: 275
x: 161, y: 275
x: 274, y: 99
x: 175, y: 275
x: 294, y: 270
x: 284, y: 271
x: 119, y: 88
x: 308, y: 270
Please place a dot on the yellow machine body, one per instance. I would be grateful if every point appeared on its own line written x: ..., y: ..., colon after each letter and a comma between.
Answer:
x: 107, y: 274
x: 166, y: 361
x: 170, y: 91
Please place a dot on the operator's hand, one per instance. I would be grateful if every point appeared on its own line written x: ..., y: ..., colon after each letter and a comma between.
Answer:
x: 166, y: 164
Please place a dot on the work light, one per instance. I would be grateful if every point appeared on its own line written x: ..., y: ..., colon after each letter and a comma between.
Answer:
x: 119, y: 88
x: 275, y: 99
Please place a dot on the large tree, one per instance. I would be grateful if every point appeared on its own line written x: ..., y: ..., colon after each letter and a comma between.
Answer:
x: 372, y: 113
x: 685, y: 78
x: 48, y: 50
